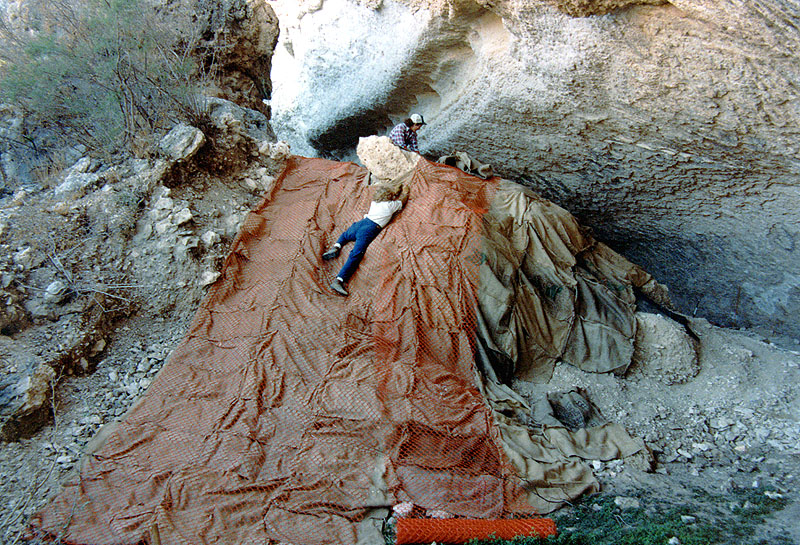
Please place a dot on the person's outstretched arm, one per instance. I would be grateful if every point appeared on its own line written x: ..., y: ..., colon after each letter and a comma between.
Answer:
x: 404, y: 191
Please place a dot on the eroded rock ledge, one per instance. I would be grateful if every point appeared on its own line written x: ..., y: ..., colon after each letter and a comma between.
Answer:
x: 585, y: 8
x: 666, y: 128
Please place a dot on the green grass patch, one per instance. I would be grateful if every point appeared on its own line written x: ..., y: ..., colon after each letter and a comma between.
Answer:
x: 730, y: 518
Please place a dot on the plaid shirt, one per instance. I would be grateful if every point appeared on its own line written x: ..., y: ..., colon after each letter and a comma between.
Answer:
x: 404, y: 137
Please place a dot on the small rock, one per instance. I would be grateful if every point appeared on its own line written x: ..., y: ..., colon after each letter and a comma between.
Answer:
x: 721, y: 423
x: 24, y: 257
x: 182, y: 142
x: 210, y: 238
x: 56, y: 291
x: 624, y: 502
x: 250, y: 184
x: 403, y: 509
x: 77, y: 179
x: 209, y: 277
x: 674, y: 541
x: 439, y: 514
x: 184, y: 215
x: 163, y: 203
x: 163, y: 226
x: 98, y: 347
x: 688, y: 519
x: 277, y: 151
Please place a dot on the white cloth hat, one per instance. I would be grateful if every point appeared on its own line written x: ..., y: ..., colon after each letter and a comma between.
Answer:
x: 417, y: 119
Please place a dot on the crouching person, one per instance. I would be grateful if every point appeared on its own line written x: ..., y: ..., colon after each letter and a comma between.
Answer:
x: 386, y: 202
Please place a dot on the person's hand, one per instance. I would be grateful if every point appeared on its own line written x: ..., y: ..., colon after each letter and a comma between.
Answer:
x: 405, y: 189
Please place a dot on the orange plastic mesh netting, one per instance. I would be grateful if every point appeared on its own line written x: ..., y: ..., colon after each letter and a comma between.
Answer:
x: 462, y: 530
x: 289, y: 414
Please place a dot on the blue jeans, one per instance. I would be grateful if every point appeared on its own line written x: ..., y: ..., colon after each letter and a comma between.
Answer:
x: 362, y: 232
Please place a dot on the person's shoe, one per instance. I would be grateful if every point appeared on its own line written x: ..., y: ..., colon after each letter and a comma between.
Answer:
x: 338, y: 287
x: 332, y: 253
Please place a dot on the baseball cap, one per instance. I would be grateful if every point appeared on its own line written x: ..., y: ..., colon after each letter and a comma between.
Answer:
x: 417, y: 119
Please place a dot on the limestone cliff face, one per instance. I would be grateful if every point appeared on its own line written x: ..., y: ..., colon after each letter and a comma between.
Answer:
x: 669, y: 128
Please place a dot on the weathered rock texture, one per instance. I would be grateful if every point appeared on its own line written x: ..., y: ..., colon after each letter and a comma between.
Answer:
x: 383, y: 159
x: 584, y: 8
x: 247, y: 32
x: 236, y: 40
x: 670, y: 129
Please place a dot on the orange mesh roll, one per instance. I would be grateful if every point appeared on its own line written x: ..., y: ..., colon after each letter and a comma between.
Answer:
x: 462, y: 530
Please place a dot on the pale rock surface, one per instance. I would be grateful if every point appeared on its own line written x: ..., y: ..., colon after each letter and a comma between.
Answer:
x: 182, y: 142
x: 671, y: 129
x: 335, y: 63
x: 663, y: 350
x: 15, y: 159
x: 383, y: 159
x: 277, y: 151
x: 77, y: 179
x: 24, y: 397
x: 240, y: 134
x: 209, y: 277
x: 583, y: 8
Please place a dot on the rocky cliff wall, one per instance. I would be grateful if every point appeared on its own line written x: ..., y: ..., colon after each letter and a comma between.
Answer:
x: 669, y: 128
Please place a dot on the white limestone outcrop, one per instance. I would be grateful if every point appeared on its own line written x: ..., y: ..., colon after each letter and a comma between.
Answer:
x: 669, y: 128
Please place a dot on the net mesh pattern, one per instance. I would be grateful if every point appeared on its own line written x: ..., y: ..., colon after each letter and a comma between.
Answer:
x: 412, y: 530
x: 291, y: 415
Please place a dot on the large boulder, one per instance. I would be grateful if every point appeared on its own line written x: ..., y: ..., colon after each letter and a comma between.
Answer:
x: 383, y: 159
x: 669, y: 128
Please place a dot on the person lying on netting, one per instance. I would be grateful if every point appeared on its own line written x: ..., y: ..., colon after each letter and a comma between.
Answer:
x: 387, y: 200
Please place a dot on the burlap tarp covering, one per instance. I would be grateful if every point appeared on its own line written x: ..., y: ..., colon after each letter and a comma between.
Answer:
x: 548, y: 291
x: 291, y: 415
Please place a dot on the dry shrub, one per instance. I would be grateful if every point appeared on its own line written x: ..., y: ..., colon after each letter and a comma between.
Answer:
x: 100, y: 72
